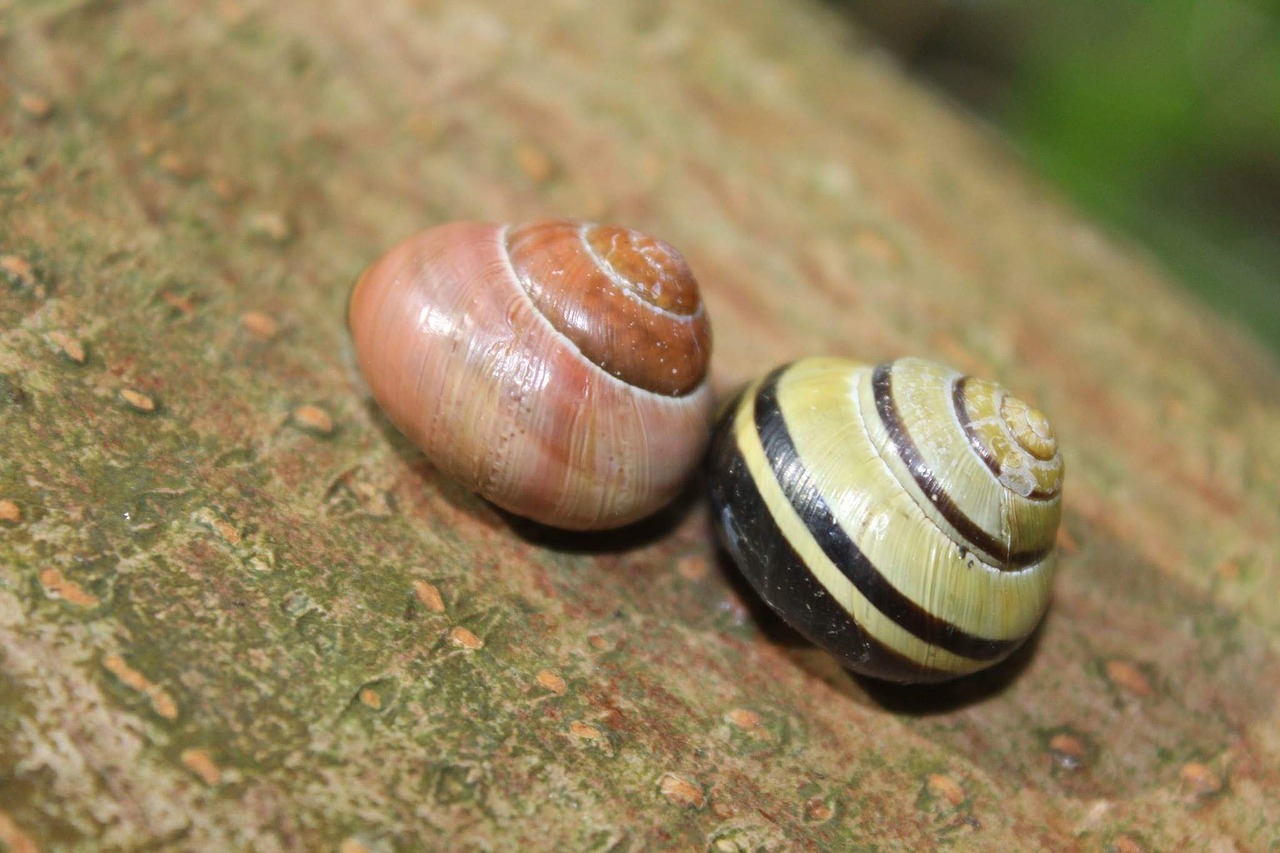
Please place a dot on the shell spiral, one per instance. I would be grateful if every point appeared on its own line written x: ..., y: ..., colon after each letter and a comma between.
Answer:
x: 901, y: 516
x: 557, y: 368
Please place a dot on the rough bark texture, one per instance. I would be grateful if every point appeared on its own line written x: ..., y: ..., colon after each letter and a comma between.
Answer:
x: 254, y: 618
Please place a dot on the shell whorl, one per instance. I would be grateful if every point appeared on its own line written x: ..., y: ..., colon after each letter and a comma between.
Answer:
x: 627, y: 301
x: 949, y: 444
x: 863, y: 505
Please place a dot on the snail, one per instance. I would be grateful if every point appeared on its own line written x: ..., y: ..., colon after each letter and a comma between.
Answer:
x: 557, y: 368
x: 900, y: 516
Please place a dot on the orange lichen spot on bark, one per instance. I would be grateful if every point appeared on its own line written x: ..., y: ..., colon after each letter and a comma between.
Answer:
x: 200, y: 762
x: 137, y: 400
x: 944, y: 787
x: 180, y: 302
x: 227, y: 531
x: 371, y: 699
x: 1125, y: 843
x: 161, y: 702
x: 18, y: 270
x: 585, y: 731
x: 70, y: 348
x: 1199, y: 780
x: 549, y: 680
x: 428, y: 596
x: 1228, y: 570
x: 180, y: 165
x: 1128, y: 677
x: 692, y: 568
x: 1068, y: 750
x: 462, y: 637
x: 259, y: 324
x: 743, y: 718
x: 10, y: 511
x: 225, y: 188
x: 271, y: 225
x: 212, y: 519
x: 681, y: 791
x: 36, y: 106
x: 313, y: 419
x: 818, y: 810
x: 57, y: 586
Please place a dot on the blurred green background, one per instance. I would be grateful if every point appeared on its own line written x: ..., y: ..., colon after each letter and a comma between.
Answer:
x: 1161, y: 118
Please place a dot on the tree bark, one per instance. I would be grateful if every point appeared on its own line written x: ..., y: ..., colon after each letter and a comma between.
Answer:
x: 238, y: 611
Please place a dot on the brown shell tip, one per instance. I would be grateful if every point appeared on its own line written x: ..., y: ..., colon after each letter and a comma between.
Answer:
x: 652, y: 268
x: 627, y: 301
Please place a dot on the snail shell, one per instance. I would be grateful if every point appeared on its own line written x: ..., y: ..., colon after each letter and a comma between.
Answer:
x: 901, y: 516
x: 557, y: 368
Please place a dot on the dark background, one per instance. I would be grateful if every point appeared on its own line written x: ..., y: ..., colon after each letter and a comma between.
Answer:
x: 1160, y: 118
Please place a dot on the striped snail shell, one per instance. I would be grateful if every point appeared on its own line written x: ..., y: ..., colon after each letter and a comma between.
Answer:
x: 557, y: 368
x: 900, y: 516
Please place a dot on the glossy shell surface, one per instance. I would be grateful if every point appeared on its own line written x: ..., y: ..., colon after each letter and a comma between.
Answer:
x: 901, y: 516
x: 558, y: 368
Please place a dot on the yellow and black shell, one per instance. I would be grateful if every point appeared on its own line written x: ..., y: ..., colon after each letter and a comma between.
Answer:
x: 901, y: 516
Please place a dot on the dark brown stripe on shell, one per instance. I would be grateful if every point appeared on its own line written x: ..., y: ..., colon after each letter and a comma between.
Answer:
x: 798, y: 485
x: 887, y: 407
x: 778, y: 574
x: 975, y: 440
x: 962, y: 414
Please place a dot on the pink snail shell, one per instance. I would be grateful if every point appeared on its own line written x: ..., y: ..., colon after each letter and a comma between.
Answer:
x: 558, y: 368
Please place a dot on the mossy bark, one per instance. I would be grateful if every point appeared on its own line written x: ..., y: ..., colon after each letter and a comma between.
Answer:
x: 237, y: 611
